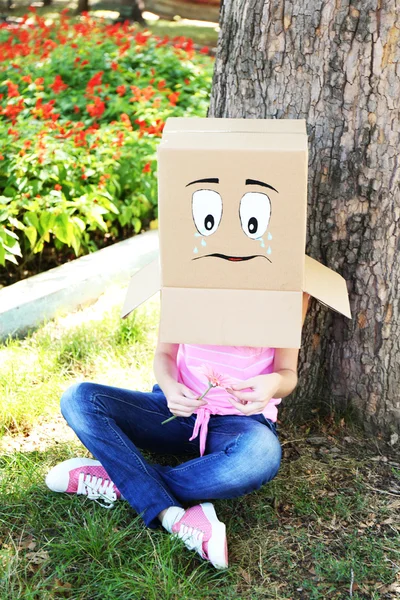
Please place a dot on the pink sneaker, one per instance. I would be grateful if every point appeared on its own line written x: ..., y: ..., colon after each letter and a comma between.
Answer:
x: 200, y: 530
x: 83, y: 476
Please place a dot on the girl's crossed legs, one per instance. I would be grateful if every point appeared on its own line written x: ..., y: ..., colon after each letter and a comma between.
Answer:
x: 242, y: 452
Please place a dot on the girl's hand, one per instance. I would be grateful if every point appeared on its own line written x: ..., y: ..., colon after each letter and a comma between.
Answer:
x: 259, y: 391
x: 182, y: 402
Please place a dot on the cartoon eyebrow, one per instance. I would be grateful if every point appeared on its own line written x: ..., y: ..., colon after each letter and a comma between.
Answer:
x: 207, y: 180
x: 256, y: 182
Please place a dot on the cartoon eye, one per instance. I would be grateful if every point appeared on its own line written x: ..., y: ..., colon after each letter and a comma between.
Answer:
x: 255, y: 213
x: 207, y: 211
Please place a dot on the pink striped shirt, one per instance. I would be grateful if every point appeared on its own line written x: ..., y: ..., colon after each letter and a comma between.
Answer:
x: 237, y: 363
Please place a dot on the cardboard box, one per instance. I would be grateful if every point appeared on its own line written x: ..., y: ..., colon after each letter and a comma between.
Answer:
x: 232, y: 219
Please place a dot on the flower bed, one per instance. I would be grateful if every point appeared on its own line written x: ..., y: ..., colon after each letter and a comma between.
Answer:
x: 82, y: 105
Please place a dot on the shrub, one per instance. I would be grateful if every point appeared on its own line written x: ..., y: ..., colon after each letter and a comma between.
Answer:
x: 82, y: 105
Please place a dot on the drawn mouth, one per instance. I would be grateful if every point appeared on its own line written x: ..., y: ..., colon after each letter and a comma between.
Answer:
x: 232, y: 258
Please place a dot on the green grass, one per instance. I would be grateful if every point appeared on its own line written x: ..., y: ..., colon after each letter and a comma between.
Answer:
x: 35, y: 371
x: 302, y: 536
x: 201, y: 35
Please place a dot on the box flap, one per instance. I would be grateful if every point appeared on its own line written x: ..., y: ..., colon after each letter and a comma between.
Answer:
x: 326, y: 286
x: 222, y: 125
x: 276, y: 135
x: 142, y: 286
x: 231, y: 317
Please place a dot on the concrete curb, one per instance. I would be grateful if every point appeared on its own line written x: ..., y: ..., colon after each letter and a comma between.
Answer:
x: 28, y: 303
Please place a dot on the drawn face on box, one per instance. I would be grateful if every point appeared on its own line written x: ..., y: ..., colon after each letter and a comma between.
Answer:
x: 232, y: 219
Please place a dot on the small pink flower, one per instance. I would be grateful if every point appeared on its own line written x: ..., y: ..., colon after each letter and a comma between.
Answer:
x: 215, y: 379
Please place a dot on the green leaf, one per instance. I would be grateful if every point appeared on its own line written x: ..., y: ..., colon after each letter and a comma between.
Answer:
x: 137, y: 224
x: 11, y: 258
x: 11, y: 233
x: 31, y: 219
x: 10, y: 191
x: 46, y: 221
x: 62, y: 228
x: 80, y: 224
x: 14, y: 249
x: 16, y: 223
x: 31, y: 234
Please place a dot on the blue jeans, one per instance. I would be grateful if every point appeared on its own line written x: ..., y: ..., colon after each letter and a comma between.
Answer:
x: 242, y: 453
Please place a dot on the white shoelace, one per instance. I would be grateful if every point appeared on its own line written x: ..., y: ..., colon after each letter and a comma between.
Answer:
x: 192, y: 538
x: 97, y: 487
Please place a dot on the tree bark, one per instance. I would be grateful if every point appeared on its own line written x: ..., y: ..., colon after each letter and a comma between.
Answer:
x: 83, y: 6
x: 336, y: 64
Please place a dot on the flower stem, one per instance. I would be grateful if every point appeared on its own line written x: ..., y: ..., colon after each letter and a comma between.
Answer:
x: 210, y: 385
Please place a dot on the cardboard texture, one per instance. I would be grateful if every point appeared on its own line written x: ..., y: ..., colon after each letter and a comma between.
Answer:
x: 232, y: 225
x: 143, y: 285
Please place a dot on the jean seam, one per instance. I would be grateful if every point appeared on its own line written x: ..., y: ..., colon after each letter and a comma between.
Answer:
x: 154, y: 412
x: 93, y: 397
x: 138, y: 460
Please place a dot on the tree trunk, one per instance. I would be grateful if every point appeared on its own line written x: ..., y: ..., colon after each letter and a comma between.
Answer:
x: 83, y: 6
x: 132, y: 10
x: 336, y: 65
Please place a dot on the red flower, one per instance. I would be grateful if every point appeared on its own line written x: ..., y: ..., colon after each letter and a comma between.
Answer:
x: 147, y: 168
x: 120, y: 138
x: 58, y: 187
x: 126, y: 121
x: 12, y: 110
x: 124, y: 48
x: 84, y: 62
x: 76, y: 109
x: 114, y: 66
x: 148, y: 92
x: 142, y: 37
x: 161, y: 84
x: 1, y: 157
x: 162, y: 42
x: 12, y: 89
x: 173, y: 98
x: 58, y: 85
x: 188, y: 45
x: 205, y: 50
x: 96, y: 109
x: 95, y: 81
x: 26, y: 78
x: 121, y: 89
